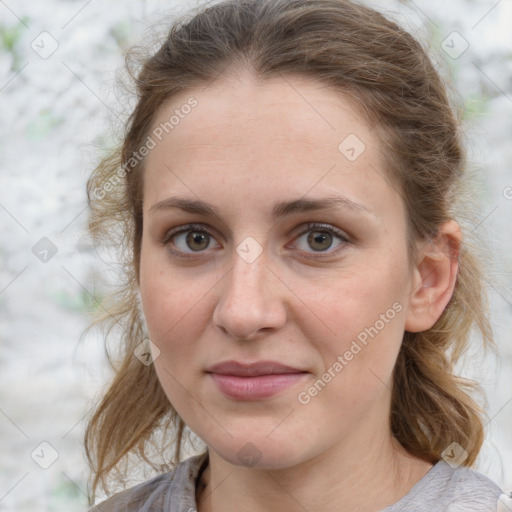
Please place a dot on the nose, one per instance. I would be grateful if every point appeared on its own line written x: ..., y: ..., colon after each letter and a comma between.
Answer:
x: 251, y: 300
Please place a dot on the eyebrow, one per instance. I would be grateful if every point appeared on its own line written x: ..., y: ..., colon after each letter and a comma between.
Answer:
x: 280, y: 210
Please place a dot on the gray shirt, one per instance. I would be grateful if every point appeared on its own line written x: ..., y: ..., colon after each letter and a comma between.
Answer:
x: 442, y: 489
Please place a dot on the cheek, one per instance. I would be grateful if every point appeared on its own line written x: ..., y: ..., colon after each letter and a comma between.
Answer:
x: 175, y: 303
x: 347, y: 304
x: 155, y: 296
x: 357, y: 361
x: 169, y: 314
x: 171, y: 318
x: 166, y: 297
x: 169, y: 306
x: 360, y: 325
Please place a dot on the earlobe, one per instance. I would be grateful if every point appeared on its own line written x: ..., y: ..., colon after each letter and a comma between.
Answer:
x: 435, y: 276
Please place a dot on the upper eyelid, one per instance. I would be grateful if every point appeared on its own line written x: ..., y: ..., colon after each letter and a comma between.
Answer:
x: 179, y: 230
x: 302, y: 229
x: 309, y: 226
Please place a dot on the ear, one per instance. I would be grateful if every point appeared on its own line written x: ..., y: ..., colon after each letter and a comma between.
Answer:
x: 434, y: 280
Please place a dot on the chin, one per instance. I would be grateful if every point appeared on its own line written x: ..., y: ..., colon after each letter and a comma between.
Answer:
x: 259, y: 452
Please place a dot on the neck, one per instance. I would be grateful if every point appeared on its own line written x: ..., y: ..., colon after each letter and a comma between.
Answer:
x: 356, y: 476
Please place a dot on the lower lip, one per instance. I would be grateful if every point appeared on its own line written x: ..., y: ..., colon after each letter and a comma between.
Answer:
x: 254, y: 388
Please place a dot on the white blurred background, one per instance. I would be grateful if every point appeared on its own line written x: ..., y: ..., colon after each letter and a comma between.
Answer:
x: 58, y: 107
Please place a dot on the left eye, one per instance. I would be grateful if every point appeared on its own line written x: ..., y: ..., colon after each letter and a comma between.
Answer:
x: 320, y: 238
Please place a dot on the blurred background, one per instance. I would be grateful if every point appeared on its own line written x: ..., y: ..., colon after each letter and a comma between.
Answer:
x: 59, y: 109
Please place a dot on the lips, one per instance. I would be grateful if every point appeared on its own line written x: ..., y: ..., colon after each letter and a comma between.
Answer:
x: 256, y: 369
x: 254, y: 381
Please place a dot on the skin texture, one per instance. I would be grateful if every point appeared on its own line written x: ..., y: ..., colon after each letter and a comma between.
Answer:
x: 246, y: 146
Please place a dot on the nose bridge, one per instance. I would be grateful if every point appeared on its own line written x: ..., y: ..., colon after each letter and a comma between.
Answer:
x: 249, y: 298
x: 247, y: 277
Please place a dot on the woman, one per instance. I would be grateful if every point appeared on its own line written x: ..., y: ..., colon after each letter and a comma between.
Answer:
x: 286, y: 192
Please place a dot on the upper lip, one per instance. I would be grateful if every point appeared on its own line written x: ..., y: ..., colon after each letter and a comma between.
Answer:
x: 252, y: 369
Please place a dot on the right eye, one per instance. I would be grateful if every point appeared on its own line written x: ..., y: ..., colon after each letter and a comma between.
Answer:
x: 188, y: 240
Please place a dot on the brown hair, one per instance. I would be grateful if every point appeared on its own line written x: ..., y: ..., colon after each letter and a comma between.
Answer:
x: 395, y: 86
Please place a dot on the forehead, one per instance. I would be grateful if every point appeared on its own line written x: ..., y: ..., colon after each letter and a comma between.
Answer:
x: 285, y: 135
x: 294, y: 107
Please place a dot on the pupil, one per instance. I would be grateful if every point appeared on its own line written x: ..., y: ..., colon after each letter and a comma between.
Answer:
x: 320, y: 237
x: 194, y: 237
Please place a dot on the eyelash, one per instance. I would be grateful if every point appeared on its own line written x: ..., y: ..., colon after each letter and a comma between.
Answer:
x: 312, y: 226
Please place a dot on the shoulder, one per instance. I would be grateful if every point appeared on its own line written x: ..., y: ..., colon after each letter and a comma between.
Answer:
x: 470, y: 490
x: 170, y: 491
x: 448, y: 489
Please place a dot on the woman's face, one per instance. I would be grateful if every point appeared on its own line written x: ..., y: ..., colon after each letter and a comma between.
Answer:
x: 303, y: 263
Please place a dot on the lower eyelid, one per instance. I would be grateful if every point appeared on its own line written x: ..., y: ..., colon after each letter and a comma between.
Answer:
x: 169, y: 237
x: 171, y: 233
x: 328, y: 252
x: 166, y: 240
